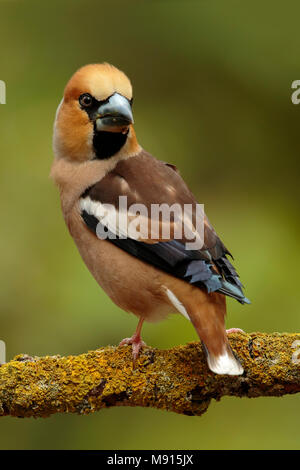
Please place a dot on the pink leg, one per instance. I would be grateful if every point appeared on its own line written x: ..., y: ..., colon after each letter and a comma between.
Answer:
x: 135, y: 340
x: 234, y: 330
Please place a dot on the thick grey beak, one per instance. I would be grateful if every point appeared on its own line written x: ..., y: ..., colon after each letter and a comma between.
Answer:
x: 114, y: 114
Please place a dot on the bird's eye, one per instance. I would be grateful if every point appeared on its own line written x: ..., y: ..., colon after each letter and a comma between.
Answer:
x: 85, y: 100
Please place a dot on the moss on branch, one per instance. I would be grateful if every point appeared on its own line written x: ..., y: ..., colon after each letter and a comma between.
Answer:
x: 177, y: 379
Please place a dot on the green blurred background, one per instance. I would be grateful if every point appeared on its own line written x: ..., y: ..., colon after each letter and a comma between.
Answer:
x: 212, y: 94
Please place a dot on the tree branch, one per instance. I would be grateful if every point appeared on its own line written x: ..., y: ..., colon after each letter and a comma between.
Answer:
x: 176, y: 379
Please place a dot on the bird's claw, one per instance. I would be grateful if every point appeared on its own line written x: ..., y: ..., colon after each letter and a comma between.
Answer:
x: 136, y: 342
x: 234, y: 330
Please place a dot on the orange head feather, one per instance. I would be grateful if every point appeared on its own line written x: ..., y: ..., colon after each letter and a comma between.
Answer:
x: 94, y: 119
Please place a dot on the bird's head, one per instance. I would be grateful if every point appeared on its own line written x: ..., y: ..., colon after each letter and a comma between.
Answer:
x: 94, y: 119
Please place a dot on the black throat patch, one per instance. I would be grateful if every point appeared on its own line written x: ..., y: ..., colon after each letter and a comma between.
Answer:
x: 107, y: 144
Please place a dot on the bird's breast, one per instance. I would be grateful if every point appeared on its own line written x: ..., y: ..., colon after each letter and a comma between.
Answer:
x: 133, y: 285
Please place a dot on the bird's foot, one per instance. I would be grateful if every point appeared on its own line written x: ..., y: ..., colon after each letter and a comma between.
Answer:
x: 234, y: 330
x: 137, y: 344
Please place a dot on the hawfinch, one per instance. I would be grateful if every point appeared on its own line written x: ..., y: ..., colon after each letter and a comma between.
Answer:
x: 98, y: 166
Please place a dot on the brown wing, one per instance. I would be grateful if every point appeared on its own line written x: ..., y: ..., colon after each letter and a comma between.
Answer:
x: 145, y: 180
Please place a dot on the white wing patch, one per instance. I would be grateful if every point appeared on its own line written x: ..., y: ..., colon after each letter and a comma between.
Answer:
x: 123, y: 223
x: 106, y: 214
x: 177, y: 304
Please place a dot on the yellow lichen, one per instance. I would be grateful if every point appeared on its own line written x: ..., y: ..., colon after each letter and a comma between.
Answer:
x: 177, y: 379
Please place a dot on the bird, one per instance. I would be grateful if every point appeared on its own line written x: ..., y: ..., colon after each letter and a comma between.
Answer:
x: 99, y: 165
